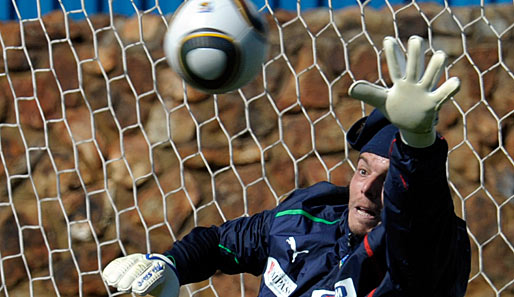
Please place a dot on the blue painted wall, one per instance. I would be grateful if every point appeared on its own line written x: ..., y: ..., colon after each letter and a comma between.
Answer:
x: 28, y: 9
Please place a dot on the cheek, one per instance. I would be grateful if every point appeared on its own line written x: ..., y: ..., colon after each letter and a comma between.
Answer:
x: 354, y: 191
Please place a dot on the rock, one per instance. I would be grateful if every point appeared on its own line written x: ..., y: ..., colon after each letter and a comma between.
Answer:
x: 21, y: 86
x: 65, y: 66
x: 17, y: 60
x: 263, y: 117
x: 503, y: 86
x: 247, y: 153
x: 95, y: 93
x: 279, y: 171
x: 124, y: 104
x: 79, y: 121
x: 464, y: 163
x: 509, y: 142
x: 6, y: 101
x: 36, y: 250
x: 17, y: 271
x: 330, y: 57
x: 410, y: 22
x: 180, y: 200
x: 106, y: 60
x: 313, y: 91
x: 10, y: 33
x: 445, y: 25
x: 149, y: 28
x: 316, y: 20
x: 34, y: 34
x: 452, y: 46
x: 65, y: 273
x: 14, y: 152
x: 377, y: 21
x: 170, y: 85
x: 55, y: 28
x: 118, y: 174
x: 297, y: 135
x: 483, y: 130
x: 139, y: 70
x: 136, y: 153
x: 9, y: 229
x: 349, y: 111
x: 312, y: 171
x: 449, y: 116
x: 44, y: 177
x: 329, y: 137
x: 157, y: 125
x: 48, y: 95
x: 348, y: 21
x: 259, y: 196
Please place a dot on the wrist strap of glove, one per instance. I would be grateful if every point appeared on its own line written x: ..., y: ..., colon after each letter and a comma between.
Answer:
x: 164, y: 259
x: 418, y: 140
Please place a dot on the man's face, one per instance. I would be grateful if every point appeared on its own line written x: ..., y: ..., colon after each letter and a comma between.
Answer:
x: 366, y: 193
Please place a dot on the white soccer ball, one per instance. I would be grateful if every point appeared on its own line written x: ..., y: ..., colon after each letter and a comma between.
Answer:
x: 216, y: 46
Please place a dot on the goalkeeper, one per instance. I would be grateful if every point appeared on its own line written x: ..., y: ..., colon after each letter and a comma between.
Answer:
x: 391, y: 232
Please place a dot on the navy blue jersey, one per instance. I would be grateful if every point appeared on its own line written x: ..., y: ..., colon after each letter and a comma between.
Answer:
x: 304, y: 247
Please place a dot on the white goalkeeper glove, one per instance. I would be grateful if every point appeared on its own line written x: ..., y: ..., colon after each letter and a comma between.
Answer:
x: 410, y: 104
x: 152, y: 274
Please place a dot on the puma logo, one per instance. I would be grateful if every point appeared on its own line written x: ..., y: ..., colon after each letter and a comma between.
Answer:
x: 292, y: 244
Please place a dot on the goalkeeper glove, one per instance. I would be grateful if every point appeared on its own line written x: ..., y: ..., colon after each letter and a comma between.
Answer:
x: 410, y: 104
x: 152, y: 274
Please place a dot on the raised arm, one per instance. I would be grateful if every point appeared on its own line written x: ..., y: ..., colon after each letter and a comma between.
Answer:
x: 427, y: 250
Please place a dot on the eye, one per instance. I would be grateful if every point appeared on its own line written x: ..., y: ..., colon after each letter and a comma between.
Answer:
x: 363, y: 172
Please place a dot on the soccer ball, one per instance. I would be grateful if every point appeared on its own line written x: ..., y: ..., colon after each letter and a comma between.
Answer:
x: 216, y: 46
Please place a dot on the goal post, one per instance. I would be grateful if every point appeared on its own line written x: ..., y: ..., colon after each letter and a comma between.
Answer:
x: 105, y: 151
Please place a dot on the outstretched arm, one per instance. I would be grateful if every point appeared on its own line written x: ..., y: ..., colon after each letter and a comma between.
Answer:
x: 236, y: 246
x: 424, y: 239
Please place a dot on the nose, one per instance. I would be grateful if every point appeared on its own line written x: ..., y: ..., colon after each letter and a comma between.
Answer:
x: 372, y: 188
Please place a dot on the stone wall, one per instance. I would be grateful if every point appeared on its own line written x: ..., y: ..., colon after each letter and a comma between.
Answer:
x: 88, y: 165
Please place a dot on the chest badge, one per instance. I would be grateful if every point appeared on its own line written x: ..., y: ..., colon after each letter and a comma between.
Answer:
x: 277, y: 280
x: 292, y: 243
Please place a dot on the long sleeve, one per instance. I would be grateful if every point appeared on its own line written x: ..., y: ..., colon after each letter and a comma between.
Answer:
x: 427, y: 249
x: 236, y: 246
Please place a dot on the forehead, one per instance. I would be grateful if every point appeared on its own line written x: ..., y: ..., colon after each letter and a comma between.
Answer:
x: 374, y: 161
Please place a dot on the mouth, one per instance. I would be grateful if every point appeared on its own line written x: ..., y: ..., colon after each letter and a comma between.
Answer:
x: 366, y: 213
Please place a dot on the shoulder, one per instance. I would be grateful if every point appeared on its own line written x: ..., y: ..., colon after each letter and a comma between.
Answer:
x: 318, y: 197
x: 322, y: 190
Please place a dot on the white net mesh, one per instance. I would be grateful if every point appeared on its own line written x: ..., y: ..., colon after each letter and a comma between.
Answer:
x: 105, y: 153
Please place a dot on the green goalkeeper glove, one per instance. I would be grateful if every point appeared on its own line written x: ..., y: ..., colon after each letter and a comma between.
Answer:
x: 152, y: 274
x: 410, y: 104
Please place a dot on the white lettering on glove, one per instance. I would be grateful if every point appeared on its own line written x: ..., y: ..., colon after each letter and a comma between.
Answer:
x: 143, y: 274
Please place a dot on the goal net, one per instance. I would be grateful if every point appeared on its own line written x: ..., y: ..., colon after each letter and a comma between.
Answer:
x: 106, y: 152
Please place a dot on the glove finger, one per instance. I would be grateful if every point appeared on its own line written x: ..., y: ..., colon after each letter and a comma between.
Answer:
x: 445, y: 91
x: 115, y: 270
x: 126, y: 282
x: 368, y: 93
x: 395, y: 58
x: 415, y: 58
x: 434, y: 70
